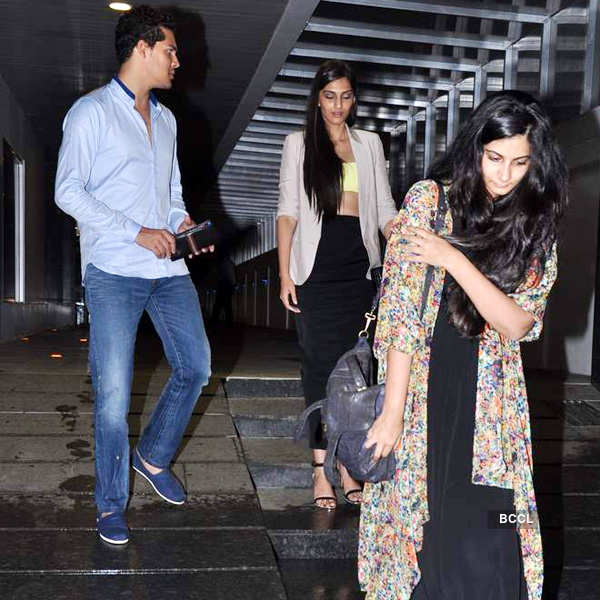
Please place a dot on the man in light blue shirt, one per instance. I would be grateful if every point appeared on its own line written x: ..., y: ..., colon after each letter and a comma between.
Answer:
x: 118, y: 176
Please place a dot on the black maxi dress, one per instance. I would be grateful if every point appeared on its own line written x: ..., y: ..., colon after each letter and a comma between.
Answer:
x: 463, y: 557
x: 333, y: 301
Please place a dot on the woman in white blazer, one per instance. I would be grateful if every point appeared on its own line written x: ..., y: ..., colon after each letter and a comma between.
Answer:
x: 334, y: 198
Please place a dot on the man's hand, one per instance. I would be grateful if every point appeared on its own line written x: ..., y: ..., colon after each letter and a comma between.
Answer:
x: 188, y: 223
x: 159, y: 241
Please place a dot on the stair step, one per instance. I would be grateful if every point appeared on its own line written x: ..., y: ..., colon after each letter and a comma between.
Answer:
x: 571, y: 546
x: 276, y: 451
x: 322, y: 579
x: 278, y: 463
x: 280, y: 475
x: 266, y: 417
x: 273, y: 407
x: 253, y: 386
x: 558, y: 510
x: 300, y: 530
x: 257, y: 584
x: 557, y: 479
x: 572, y: 583
x: 567, y: 480
x: 265, y: 427
x: 78, y: 552
x: 303, y: 544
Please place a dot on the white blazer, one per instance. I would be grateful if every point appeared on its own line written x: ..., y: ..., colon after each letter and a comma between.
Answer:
x: 375, y: 203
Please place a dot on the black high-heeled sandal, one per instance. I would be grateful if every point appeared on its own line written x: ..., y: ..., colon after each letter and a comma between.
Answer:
x: 348, y: 493
x: 315, y: 500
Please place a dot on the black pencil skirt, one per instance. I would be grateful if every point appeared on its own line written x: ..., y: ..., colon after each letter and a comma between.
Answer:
x: 333, y: 302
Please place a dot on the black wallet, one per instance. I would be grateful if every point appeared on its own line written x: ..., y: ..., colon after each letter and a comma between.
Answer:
x: 191, y: 241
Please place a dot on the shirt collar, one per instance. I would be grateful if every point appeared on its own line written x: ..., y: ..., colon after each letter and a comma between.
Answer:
x: 153, y: 98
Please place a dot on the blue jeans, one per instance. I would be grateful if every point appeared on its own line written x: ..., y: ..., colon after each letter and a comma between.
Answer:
x: 116, y: 305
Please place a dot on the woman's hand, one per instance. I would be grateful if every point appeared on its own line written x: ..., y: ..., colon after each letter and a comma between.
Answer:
x: 384, y: 434
x: 425, y: 247
x: 287, y: 292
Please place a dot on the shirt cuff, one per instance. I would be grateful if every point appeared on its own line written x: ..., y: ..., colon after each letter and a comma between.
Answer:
x: 132, y: 229
x: 176, y: 219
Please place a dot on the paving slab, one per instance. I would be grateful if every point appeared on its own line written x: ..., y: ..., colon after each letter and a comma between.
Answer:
x: 44, y: 448
x: 49, y: 382
x: 62, y: 478
x: 71, y: 422
x: 259, y: 583
x: 207, y: 449
x: 70, y: 511
x: 165, y: 550
x: 217, y: 478
x: 200, y: 425
x: 81, y: 403
x: 57, y: 477
x: 56, y: 381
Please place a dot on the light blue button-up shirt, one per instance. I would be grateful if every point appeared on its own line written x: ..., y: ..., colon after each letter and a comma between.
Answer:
x: 113, y: 181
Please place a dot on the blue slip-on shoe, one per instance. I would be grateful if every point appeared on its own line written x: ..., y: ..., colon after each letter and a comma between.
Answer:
x: 113, y: 528
x: 165, y: 484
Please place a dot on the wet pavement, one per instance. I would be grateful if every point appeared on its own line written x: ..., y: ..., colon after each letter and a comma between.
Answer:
x: 248, y: 529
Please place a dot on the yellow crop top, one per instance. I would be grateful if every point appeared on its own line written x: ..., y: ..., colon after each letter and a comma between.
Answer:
x: 349, y: 177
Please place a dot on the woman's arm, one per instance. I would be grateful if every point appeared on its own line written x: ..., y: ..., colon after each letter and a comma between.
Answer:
x: 498, y: 309
x: 285, y: 231
x: 386, y: 207
x: 387, y: 229
x: 387, y: 428
x: 288, y: 213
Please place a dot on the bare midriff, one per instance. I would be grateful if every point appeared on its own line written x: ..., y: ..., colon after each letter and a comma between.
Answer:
x: 349, y: 204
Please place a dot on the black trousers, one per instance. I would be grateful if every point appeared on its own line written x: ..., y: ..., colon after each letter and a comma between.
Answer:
x: 333, y: 302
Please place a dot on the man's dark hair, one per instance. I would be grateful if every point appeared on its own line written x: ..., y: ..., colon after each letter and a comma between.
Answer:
x: 140, y: 23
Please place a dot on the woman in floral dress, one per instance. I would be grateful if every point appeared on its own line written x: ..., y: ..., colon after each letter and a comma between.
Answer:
x: 455, y: 410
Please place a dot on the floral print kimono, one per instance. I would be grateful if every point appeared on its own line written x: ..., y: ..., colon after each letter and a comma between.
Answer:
x: 393, y: 512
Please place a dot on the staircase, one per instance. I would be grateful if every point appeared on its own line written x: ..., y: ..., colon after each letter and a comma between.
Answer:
x: 315, y: 549
x: 319, y: 547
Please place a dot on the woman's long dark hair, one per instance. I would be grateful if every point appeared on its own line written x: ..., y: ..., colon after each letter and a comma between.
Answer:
x: 322, y: 166
x: 504, y: 236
